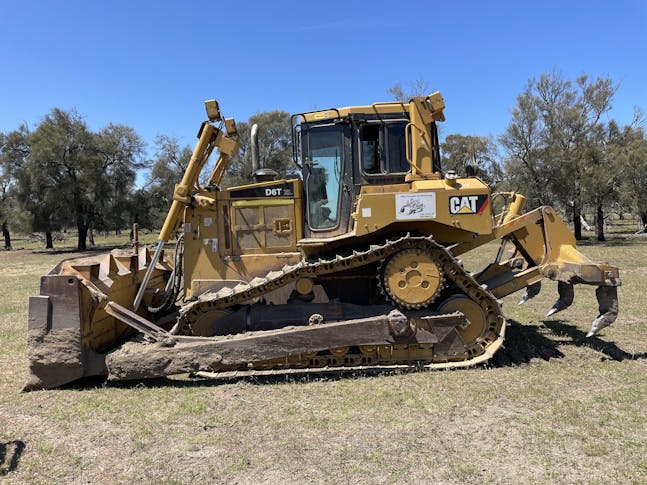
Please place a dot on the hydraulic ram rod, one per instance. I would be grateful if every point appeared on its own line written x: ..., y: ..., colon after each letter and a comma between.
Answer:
x: 181, y: 198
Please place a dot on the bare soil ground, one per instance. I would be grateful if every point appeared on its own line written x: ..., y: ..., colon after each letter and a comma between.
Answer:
x: 553, y: 406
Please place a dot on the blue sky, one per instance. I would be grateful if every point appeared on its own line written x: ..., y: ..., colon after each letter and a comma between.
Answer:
x: 151, y: 64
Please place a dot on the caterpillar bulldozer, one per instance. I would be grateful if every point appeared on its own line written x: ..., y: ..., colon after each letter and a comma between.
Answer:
x: 351, y: 263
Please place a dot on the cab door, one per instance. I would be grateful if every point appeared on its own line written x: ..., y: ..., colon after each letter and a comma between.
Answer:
x: 328, y: 179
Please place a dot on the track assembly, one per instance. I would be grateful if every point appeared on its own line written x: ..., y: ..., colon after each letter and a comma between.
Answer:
x: 412, y: 259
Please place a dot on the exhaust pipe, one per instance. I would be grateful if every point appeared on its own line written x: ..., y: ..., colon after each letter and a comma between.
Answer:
x: 256, y: 163
x: 259, y: 173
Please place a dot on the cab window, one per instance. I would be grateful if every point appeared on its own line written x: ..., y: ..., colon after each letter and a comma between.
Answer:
x: 370, y: 142
x: 397, y: 159
x: 382, y: 148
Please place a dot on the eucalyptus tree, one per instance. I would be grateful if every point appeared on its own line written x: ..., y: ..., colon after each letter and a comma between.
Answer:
x: 419, y: 87
x: 64, y: 169
x: 14, y: 155
x: 527, y: 166
x: 120, y: 152
x: 572, y: 118
x: 602, y: 170
x: 459, y: 152
x: 631, y: 160
x: 550, y: 135
x: 168, y: 166
x: 5, y: 187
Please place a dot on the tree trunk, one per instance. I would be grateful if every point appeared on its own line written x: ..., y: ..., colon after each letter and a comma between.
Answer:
x: 577, y: 210
x: 643, y: 218
x: 599, y: 219
x: 91, y: 237
x: 82, y: 228
x: 49, y: 241
x: 577, y: 222
x: 7, y: 236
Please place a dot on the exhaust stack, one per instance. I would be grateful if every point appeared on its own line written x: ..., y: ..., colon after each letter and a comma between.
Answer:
x: 256, y: 163
x: 259, y: 173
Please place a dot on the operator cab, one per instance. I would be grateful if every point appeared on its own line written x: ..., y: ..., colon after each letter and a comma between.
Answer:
x: 339, y: 151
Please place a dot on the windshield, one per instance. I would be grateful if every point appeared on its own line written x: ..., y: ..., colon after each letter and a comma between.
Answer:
x: 324, y: 158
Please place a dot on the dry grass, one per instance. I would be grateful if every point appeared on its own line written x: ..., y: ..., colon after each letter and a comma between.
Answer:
x: 67, y: 241
x: 553, y: 407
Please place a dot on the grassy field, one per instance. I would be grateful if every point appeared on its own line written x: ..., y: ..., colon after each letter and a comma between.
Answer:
x: 552, y: 407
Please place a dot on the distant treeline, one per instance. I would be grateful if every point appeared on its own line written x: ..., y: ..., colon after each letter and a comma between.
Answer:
x: 559, y: 148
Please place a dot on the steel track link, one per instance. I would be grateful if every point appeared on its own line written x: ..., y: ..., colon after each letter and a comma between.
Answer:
x: 478, y: 351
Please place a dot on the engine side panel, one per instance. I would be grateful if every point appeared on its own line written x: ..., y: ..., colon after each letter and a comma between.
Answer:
x: 240, y: 234
x: 451, y: 210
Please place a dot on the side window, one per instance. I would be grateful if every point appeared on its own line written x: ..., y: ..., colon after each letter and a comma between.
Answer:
x: 369, y: 135
x: 383, y: 148
x: 397, y: 160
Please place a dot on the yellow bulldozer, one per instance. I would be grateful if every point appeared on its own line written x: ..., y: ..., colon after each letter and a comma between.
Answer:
x: 351, y: 263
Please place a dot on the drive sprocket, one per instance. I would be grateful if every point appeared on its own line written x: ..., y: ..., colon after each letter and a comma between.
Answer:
x: 411, y: 278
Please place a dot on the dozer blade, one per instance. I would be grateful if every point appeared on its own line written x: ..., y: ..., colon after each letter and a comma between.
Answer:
x: 69, y: 329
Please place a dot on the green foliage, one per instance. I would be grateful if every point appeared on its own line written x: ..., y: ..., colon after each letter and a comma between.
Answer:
x: 121, y: 154
x: 64, y: 168
x: 527, y: 165
x: 628, y: 151
x: 169, y: 164
x: 30, y: 188
x: 61, y: 174
x: 554, y: 135
x: 13, y: 151
x: 480, y: 152
x: 5, y: 197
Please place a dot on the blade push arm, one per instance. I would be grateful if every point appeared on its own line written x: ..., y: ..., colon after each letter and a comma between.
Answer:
x: 209, y: 137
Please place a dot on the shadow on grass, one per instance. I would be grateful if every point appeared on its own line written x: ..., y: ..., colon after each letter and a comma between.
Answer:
x: 523, y: 343
x: 614, y: 240
x: 579, y: 339
x: 10, y: 453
